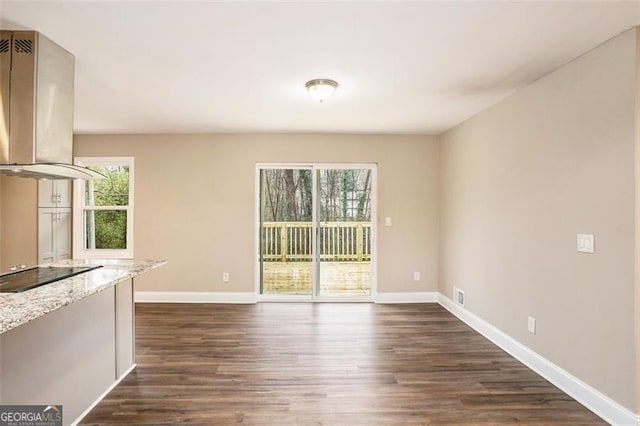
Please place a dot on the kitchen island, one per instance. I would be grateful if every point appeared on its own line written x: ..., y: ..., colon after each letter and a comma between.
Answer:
x: 69, y: 342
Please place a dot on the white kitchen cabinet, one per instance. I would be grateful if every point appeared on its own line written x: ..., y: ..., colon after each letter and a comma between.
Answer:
x: 54, y: 193
x: 54, y: 234
x: 54, y: 220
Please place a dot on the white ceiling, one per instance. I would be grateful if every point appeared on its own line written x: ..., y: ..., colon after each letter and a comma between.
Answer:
x: 403, y: 67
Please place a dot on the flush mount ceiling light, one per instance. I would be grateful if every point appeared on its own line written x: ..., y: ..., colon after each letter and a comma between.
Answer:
x: 321, y: 88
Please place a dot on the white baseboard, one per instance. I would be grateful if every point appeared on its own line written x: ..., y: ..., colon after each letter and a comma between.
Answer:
x: 412, y: 297
x: 193, y: 297
x: 101, y: 397
x: 246, y: 297
x: 297, y: 298
x: 600, y: 404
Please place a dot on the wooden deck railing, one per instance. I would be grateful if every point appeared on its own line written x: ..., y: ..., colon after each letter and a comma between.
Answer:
x: 338, y: 241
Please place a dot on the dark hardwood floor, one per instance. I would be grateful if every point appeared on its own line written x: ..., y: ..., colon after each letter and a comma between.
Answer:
x: 319, y: 364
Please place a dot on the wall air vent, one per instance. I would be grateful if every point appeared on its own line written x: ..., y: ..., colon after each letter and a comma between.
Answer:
x: 458, y: 296
x: 4, y: 45
x: 23, y: 46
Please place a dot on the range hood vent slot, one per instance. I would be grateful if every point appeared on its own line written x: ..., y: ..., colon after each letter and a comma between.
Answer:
x: 23, y: 46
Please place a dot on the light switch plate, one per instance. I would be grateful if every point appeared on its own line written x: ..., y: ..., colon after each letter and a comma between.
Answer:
x: 387, y: 221
x: 586, y: 243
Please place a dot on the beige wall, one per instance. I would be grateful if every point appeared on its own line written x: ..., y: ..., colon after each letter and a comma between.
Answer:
x: 519, y: 181
x: 1, y: 225
x: 637, y: 227
x: 19, y: 222
x: 195, y: 194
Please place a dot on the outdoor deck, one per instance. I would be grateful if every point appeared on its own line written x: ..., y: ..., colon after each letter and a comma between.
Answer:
x: 336, y: 278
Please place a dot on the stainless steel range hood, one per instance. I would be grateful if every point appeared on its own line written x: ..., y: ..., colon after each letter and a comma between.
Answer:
x: 36, y: 110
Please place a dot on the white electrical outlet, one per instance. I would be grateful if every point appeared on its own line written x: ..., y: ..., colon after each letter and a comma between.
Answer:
x: 387, y: 221
x: 416, y: 276
x: 531, y: 325
x: 225, y: 277
x: 458, y: 296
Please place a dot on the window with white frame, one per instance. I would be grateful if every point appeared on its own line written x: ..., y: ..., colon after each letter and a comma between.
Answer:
x: 103, y: 209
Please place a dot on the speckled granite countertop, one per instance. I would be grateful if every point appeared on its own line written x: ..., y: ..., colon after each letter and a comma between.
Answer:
x: 19, y: 308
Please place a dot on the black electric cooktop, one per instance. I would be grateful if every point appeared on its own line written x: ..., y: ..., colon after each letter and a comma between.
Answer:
x: 26, y: 279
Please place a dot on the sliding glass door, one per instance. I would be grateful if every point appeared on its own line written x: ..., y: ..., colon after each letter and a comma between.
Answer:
x: 286, y: 231
x: 315, y: 232
x: 344, y: 237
